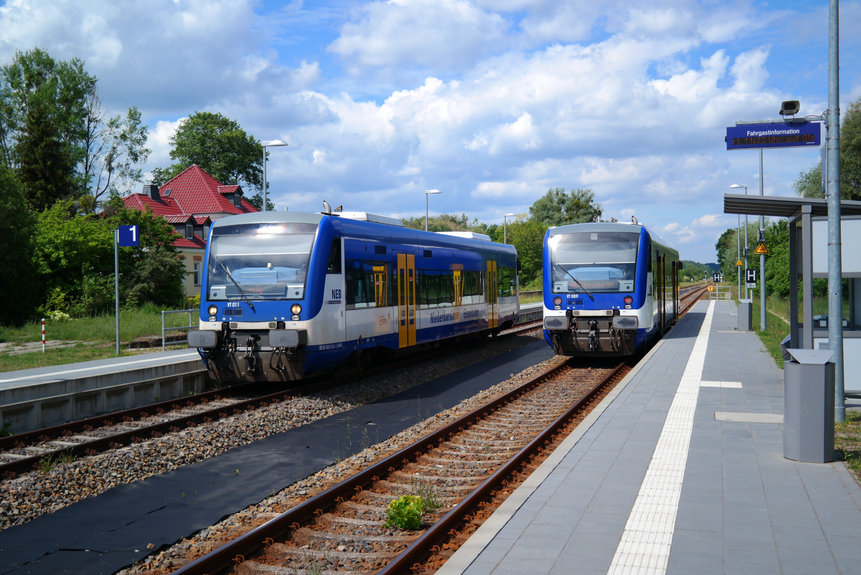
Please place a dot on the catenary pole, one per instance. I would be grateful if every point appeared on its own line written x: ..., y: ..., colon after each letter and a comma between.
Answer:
x: 832, y: 192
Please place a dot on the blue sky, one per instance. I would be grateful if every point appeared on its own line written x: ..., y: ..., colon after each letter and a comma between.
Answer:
x: 492, y: 102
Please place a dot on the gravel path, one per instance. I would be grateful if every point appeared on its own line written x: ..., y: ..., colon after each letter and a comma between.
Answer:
x: 33, y: 494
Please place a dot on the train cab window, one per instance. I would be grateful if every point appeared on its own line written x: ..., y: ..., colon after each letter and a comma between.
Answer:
x: 594, y: 262
x: 334, y: 266
x: 507, y: 281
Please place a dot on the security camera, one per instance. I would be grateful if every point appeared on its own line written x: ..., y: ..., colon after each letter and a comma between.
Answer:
x: 790, y: 107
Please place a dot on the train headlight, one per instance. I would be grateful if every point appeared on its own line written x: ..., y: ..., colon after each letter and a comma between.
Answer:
x: 557, y: 300
x: 628, y: 301
x: 212, y: 310
x: 625, y: 322
x: 295, y: 309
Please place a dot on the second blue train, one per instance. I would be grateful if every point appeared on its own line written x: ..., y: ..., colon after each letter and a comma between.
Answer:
x: 610, y: 289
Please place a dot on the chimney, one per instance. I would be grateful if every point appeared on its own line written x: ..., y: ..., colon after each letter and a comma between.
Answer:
x: 151, y: 190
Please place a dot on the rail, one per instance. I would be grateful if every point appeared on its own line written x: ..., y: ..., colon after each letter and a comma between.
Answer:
x: 166, y: 329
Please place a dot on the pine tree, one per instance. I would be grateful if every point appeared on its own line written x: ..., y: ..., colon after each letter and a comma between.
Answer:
x: 44, y: 167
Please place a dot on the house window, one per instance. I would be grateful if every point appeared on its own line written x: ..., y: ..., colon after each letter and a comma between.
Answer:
x: 197, y: 273
x: 205, y: 234
x: 237, y: 199
x: 189, y: 231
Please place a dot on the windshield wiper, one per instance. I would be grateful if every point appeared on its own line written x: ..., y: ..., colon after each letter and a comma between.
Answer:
x: 241, y: 291
x: 576, y: 280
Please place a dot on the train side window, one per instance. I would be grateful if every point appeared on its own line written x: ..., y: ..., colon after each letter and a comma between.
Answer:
x: 334, y: 266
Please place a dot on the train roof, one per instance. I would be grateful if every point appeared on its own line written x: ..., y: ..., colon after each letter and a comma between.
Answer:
x: 274, y: 217
x: 596, y: 227
x: 397, y: 229
x: 634, y: 227
x: 469, y: 235
x: 305, y: 218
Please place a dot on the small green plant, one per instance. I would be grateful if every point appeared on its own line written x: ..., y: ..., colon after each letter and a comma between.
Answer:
x: 315, y: 566
x: 427, y: 494
x: 5, y: 431
x: 46, y: 463
x: 405, y: 513
x: 49, y: 461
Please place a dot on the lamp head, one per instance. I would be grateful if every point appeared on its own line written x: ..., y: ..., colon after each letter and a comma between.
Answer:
x: 433, y: 192
x: 272, y: 143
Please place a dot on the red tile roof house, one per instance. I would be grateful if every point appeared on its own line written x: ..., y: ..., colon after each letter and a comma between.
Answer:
x: 191, y: 201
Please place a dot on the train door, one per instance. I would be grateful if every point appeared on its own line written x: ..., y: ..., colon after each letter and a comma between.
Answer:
x: 676, y: 291
x: 458, y: 287
x: 406, y: 300
x: 492, y: 294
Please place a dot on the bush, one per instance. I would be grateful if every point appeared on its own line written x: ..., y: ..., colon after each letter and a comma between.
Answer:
x: 405, y: 513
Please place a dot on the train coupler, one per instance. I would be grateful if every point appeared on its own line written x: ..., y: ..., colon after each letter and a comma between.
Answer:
x: 250, y: 358
x: 593, y: 335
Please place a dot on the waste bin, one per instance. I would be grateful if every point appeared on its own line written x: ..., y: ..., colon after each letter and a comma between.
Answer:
x: 808, y: 402
x: 745, y: 309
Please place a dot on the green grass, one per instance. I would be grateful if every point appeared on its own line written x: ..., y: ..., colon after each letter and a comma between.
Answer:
x: 97, y: 334
x: 775, y: 330
x: 530, y: 299
x: 847, y: 439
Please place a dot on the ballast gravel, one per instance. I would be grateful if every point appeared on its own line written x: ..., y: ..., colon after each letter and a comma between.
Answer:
x: 30, y: 495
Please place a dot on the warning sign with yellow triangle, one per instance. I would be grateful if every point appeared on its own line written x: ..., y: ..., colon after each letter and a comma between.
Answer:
x: 761, y: 250
x: 738, y: 263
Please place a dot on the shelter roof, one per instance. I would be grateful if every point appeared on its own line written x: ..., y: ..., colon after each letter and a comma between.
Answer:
x: 783, y: 206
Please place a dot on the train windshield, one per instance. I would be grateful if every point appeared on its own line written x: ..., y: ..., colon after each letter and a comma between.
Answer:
x: 594, y: 262
x: 259, y: 261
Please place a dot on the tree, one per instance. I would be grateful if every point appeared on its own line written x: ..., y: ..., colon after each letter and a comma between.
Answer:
x: 61, y: 88
x: 115, y: 150
x: 17, y: 233
x: 556, y: 208
x: 74, y: 258
x: 809, y: 183
x: 528, y: 238
x: 257, y: 201
x: 219, y: 146
x: 104, y: 153
x: 446, y: 223
x: 777, y: 261
x: 44, y: 165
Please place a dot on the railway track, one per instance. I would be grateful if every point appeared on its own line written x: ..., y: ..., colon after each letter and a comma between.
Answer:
x: 461, y: 468
x: 691, y: 296
x: 31, y: 450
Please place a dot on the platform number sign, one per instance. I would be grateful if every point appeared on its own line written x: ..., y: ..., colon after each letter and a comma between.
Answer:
x: 128, y: 236
x: 717, y: 278
x: 750, y: 278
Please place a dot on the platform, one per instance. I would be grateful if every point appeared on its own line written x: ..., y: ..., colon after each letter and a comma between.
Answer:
x: 44, y: 396
x: 680, y: 470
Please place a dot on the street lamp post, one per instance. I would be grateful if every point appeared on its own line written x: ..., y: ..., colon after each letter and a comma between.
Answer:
x: 427, y: 193
x: 268, y: 144
x: 505, y: 227
x: 745, y: 242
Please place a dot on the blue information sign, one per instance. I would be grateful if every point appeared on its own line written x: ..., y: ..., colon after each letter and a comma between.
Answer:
x: 128, y: 236
x: 772, y: 135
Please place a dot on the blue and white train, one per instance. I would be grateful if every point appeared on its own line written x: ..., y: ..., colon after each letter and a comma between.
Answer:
x: 610, y: 289
x: 288, y: 294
